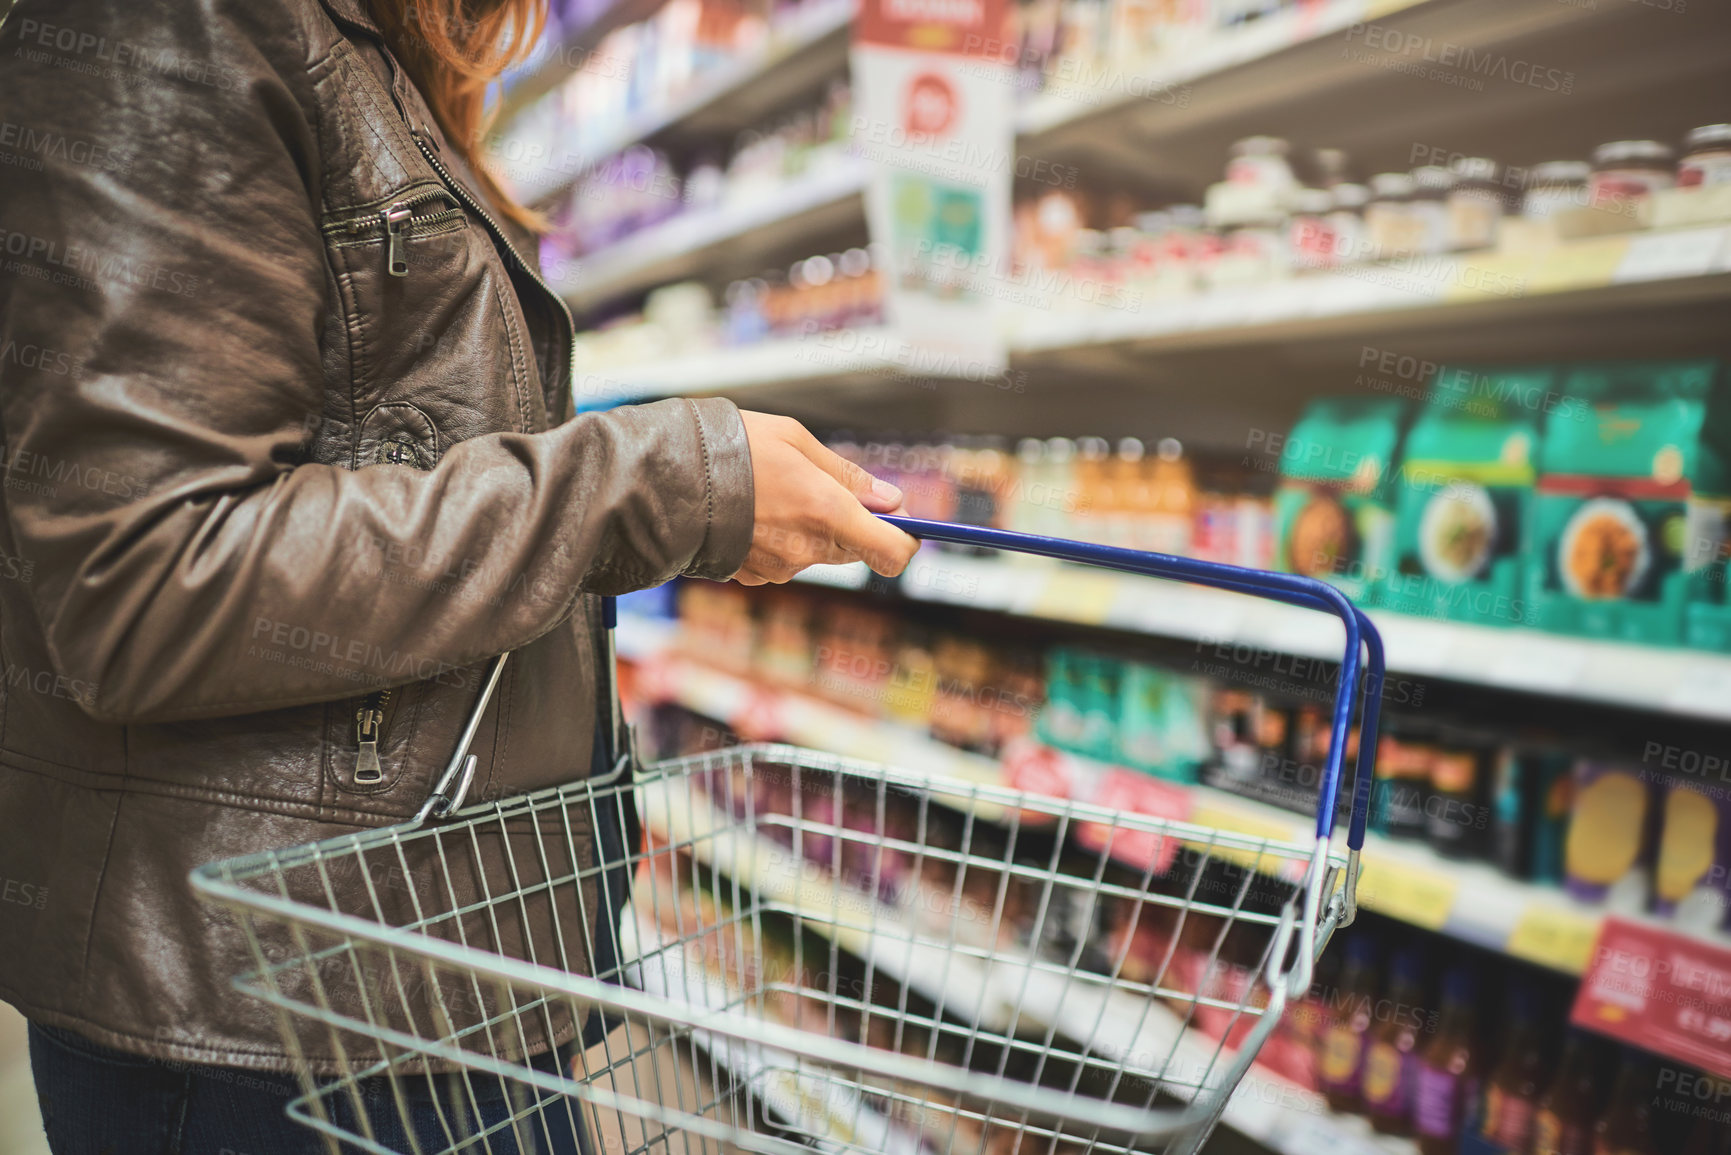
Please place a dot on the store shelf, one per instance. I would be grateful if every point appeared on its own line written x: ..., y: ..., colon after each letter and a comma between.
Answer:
x: 818, y: 1106
x: 1004, y: 989
x: 761, y: 712
x: 1472, y: 902
x: 555, y: 59
x: 802, y: 50
x: 1603, y: 275
x: 821, y: 360
x: 739, y: 235
x: 1685, y: 682
x: 1384, y: 74
x: 1091, y: 101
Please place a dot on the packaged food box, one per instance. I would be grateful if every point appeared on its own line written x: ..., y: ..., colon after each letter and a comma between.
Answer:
x: 1160, y: 722
x: 1707, y: 619
x: 1464, y: 492
x: 1690, y: 884
x: 1609, y: 852
x: 1606, y: 550
x: 1333, y: 514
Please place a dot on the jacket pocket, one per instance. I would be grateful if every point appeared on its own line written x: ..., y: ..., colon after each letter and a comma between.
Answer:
x: 393, y: 227
x: 397, y: 433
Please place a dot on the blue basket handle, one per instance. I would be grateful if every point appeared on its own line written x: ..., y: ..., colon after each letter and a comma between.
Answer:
x: 1282, y: 587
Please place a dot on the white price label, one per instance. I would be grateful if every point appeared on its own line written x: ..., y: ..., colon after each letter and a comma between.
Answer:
x: 1661, y: 256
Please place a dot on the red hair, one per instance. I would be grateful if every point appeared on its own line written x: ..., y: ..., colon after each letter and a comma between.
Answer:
x: 453, y: 50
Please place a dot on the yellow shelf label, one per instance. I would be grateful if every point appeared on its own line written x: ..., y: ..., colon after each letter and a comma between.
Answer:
x: 1411, y: 894
x: 1376, y: 8
x: 1077, y: 596
x: 1588, y: 264
x: 1555, y: 936
x: 1491, y: 277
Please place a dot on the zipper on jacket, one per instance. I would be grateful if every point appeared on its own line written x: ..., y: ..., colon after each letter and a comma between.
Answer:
x: 400, y: 220
x: 480, y: 210
x: 369, y: 728
x: 396, y: 218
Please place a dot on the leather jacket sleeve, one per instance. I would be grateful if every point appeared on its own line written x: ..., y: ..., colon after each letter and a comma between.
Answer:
x: 162, y: 291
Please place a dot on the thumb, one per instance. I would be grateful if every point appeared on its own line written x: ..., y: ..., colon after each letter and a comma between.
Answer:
x: 874, y: 493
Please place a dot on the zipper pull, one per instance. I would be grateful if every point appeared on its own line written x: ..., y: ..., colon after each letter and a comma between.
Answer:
x: 396, y: 219
x: 368, y: 719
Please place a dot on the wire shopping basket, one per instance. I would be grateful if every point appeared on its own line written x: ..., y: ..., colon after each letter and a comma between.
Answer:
x: 773, y: 950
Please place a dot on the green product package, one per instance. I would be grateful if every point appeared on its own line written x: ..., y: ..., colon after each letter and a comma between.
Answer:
x: 1081, y: 714
x: 1160, y: 722
x: 1060, y: 721
x: 1332, y: 513
x: 1707, y: 619
x: 1608, y: 535
x: 1099, y: 705
x: 1464, y: 492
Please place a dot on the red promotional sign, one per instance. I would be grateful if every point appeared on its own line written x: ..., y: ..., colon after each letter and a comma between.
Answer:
x: 1131, y: 793
x: 1661, y: 991
x: 951, y: 27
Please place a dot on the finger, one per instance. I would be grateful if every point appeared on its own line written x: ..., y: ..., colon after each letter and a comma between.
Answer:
x: 770, y: 567
x: 882, y: 546
x: 874, y: 493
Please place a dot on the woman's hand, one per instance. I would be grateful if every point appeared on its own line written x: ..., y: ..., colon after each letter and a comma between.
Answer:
x: 814, y: 507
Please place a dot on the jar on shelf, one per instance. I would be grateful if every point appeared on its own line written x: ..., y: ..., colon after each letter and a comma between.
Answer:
x: 1346, y: 223
x: 1554, y: 186
x: 1707, y: 157
x: 1475, y: 204
x: 1389, y: 224
x: 1261, y: 161
x: 1429, y: 208
x: 1309, y: 239
x: 1628, y: 172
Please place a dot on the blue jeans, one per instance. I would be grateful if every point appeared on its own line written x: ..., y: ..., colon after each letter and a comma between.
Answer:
x: 101, y: 1102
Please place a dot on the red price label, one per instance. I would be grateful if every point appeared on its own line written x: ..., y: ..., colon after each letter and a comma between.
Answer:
x: 1661, y: 991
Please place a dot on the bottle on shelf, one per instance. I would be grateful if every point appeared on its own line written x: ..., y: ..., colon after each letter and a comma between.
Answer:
x: 1168, y: 525
x: 1386, y: 1087
x: 1626, y: 1127
x: 1446, y: 1069
x: 1563, y: 1123
x: 1514, y: 1086
x: 1349, y: 1010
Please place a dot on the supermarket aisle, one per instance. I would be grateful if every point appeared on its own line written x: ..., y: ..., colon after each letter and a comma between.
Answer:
x: 20, y: 1126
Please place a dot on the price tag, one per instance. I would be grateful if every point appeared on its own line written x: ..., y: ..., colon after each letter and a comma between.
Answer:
x: 1490, y: 276
x: 1409, y: 893
x: 1554, y: 936
x: 1378, y: 8
x: 1588, y: 264
x: 1660, y: 256
x: 1661, y: 991
x: 1077, y: 596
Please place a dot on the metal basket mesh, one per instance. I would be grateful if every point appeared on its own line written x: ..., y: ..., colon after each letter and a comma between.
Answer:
x: 816, y: 953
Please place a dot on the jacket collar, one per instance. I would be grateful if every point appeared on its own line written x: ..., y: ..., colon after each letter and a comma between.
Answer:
x: 353, y: 12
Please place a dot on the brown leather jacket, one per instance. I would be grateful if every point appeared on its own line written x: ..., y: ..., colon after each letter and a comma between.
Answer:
x: 286, y: 424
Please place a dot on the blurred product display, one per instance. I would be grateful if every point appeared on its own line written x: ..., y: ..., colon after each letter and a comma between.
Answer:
x: 1421, y: 298
x: 1612, y: 834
